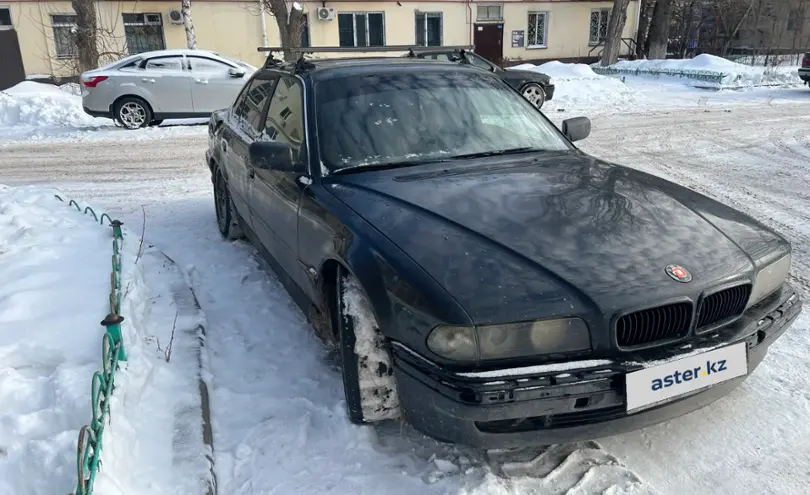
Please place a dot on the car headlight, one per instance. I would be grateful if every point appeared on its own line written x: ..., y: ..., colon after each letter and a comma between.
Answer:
x: 510, y: 340
x: 769, y: 279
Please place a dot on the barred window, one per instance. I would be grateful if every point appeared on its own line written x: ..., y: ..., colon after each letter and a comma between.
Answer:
x: 537, y: 30
x: 144, y: 32
x: 599, y: 25
x: 361, y: 28
x: 64, y: 35
x: 428, y: 28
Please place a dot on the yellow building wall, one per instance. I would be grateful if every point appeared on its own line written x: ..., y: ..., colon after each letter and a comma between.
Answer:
x: 568, y: 28
x: 234, y: 28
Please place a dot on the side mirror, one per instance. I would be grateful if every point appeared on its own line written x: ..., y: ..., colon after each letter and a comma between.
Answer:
x: 271, y: 155
x: 576, y: 129
x: 234, y: 72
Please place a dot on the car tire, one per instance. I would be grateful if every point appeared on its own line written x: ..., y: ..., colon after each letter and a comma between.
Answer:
x: 368, y: 374
x: 132, y: 112
x: 534, y: 93
x: 228, y: 221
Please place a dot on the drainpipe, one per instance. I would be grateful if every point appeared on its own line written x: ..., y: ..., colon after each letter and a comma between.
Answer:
x: 264, y: 24
x: 470, y: 31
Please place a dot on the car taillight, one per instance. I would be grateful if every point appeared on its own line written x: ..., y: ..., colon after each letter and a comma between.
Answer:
x: 806, y: 62
x: 92, y: 81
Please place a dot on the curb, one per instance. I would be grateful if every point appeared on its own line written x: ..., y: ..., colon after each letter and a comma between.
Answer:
x: 189, y: 307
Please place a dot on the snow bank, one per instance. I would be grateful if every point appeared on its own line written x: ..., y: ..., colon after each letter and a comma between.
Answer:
x: 579, y: 89
x: 54, y: 287
x: 54, y: 290
x: 33, y: 104
x: 734, y: 74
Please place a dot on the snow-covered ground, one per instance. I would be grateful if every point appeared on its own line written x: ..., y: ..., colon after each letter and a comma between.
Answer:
x: 279, y: 426
x: 54, y: 291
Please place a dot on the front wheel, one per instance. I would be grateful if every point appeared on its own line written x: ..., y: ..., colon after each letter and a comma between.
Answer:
x: 535, y: 94
x: 368, y: 375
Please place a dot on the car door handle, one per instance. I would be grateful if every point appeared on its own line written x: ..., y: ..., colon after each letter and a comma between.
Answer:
x: 201, y: 81
x: 147, y: 80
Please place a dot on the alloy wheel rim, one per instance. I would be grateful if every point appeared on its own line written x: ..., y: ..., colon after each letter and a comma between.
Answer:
x: 535, y: 95
x: 132, y: 115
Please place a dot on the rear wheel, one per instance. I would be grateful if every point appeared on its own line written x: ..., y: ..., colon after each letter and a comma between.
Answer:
x: 368, y: 375
x: 227, y: 218
x: 132, y: 112
x: 535, y: 94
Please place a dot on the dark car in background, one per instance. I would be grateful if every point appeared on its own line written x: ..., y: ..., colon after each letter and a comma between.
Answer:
x: 804, y: 71
x: 480, y: 276
x: 534, y: 86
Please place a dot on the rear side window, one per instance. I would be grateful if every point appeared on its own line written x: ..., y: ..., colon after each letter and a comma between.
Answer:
x: 251, y: 104
x: 164, y: 63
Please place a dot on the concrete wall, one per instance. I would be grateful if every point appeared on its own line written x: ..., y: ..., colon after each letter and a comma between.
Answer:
x: 234, y: 28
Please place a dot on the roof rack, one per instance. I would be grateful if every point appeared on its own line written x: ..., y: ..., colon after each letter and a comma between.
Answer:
x: 302, y: 64
x: 360, y: 49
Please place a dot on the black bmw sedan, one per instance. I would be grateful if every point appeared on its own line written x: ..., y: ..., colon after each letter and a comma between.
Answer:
x: 534, y: 86
x: 480, y: 276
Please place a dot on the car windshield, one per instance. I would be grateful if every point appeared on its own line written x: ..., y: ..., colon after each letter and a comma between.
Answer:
x: 410, y: 118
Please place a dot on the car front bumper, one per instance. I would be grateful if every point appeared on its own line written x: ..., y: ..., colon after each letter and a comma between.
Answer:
x: 549, y: 90
x: 579, y: 404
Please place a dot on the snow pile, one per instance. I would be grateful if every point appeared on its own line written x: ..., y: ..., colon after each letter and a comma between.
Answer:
x: 33, y: 104
x: 734, y: 74
x: 54, y: 290
x: 579, y: 89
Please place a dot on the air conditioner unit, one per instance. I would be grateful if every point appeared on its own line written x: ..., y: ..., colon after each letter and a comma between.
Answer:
x: 175, y: 16
x: 326, y: 13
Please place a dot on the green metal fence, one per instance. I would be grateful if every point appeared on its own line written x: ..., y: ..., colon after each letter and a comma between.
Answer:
x: 698, y: 75
x: 88, y: 453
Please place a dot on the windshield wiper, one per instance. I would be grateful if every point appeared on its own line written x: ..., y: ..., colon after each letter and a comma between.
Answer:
x: 511, y: 151
x: 385, y: 166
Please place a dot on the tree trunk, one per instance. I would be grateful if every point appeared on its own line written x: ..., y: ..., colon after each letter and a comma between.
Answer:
x: 659, y: 30
x: 188, y: 24
x: 647, y: 7
x: 290, y: 23
x: 86, y: 34
x: 613, y: 40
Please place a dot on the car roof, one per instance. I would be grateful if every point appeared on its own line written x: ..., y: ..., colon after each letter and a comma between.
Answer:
x: 328, y: 68
x: 175, y: 51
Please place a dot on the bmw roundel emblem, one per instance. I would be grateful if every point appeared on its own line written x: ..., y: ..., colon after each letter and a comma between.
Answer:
x: 679, y: 273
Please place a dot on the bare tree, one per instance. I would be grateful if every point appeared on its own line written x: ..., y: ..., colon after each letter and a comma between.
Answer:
x: 613, y: 40
x: 645, y: 16
x: 86, y: 34
x: 290, y: 20
x: 731, y: 14
x: 188, y: 24
x: 659, y: 30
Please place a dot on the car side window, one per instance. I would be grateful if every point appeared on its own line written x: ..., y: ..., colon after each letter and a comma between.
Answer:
x: 285, y: 117
x: 250, y: 106
x: 173, y: 63
x: 207, y: 65
x: 479, y: 62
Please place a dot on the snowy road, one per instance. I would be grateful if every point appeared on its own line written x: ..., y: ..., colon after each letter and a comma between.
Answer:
x: 279, y: 427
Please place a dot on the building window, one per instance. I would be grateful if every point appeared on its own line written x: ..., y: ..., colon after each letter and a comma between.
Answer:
x: 64, y: 35
x: 144, y: 32
x: 489, y: 13
x: 5, y: 17
x: 795, y: 20
x: 305, y: 31
x: 361, y: 29
x: 537, y: 30
x: 429, y: 29
x: 599, y: 25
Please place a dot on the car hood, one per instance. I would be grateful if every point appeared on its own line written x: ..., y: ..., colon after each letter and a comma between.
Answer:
x: 555, y: 234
